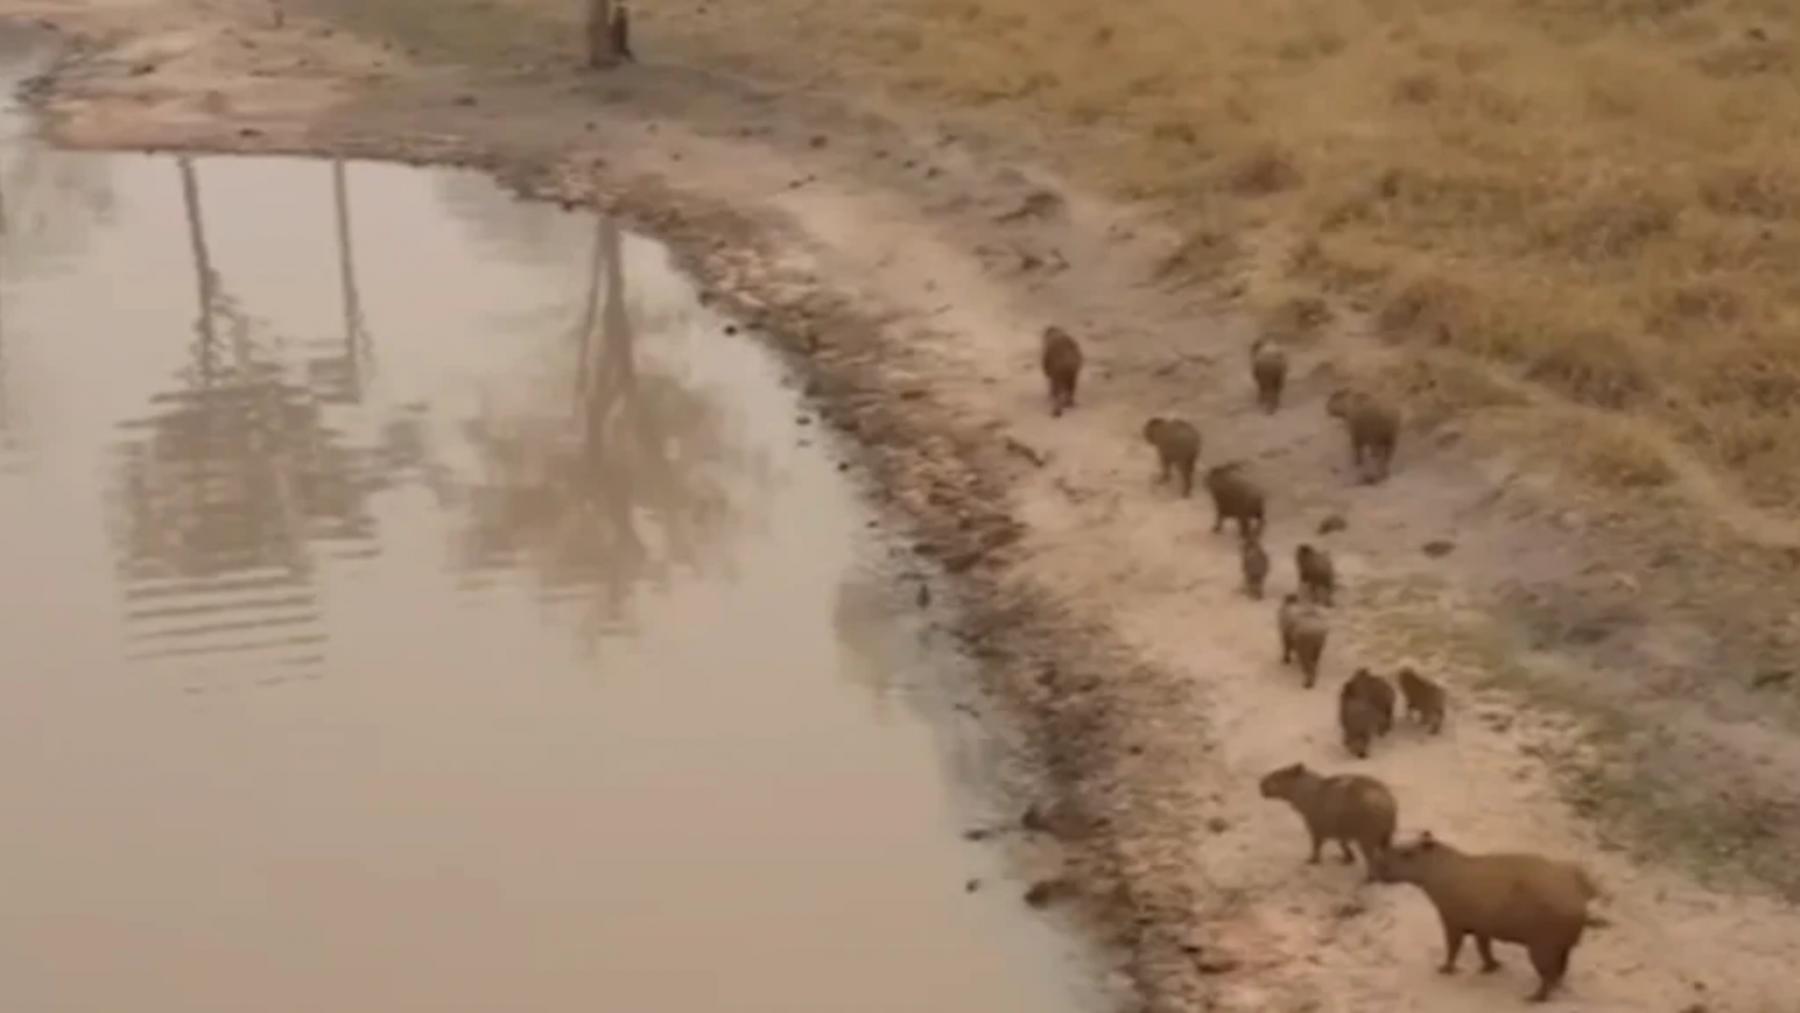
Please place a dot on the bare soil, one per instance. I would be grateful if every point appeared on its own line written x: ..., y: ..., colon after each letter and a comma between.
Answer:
x: 1615, y: 659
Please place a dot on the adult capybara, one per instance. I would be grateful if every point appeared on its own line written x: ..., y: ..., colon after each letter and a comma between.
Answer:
x: 1062, y: 367
x: 1268, y: 367
x: 1339, y: 807
x: 1177, y: 446
x: 1256, y: 566
x: 1235, y: 496
x: 1360, y: 723
x: 1537, y: 902
x: 1318, y: 576
x: 1303, y: 632
x: 1374, y: 428
x: 1425, y: 700
x: 1377, y: 692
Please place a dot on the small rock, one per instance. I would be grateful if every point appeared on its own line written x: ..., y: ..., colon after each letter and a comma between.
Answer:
x: 819, y: 141
x: 731, y: 329
x: 977, y: 834
x: 803, y: 420
x: 924, y: 597
x: 1439, y: 548
x: 971, y: 886
x: 1215, y: 965
x: 1045, y: 892
x: 1218, y: 824
x: 465, y: 100
x: 1335, y: 522
x: 1033, y: 819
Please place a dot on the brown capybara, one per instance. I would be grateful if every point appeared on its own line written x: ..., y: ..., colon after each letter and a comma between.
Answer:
x: 1425, y: 699
x: 1374, y: 428
x: 1268, y: 367
x: 1302, y: 636
x: 1256, y: 566
x: 1537, y: 902
x: 1236, y: 497
x: 1341, y: 807
x: 1318, y: 576
x: 1177, y: 446
x: 1360, y: 723
x: 1377, y: 692
x: 1062, y: 367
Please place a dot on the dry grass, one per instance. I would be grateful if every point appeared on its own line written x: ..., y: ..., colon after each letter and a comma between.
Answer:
x: 1600, y: 197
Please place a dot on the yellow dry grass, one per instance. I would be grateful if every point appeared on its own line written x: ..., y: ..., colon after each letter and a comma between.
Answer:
x: 1600, y: 198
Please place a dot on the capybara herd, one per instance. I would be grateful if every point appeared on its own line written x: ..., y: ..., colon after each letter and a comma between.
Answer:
x: 1511, y: 897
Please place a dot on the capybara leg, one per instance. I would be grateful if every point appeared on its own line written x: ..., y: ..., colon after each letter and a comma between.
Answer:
x: 1453, y: 937
x: 1551, y: 961
x: 1317, y: 843
x: 1349, y: 856
x: 1485, y: 946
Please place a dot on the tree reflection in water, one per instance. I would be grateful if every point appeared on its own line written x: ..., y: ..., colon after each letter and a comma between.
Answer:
x: 623, y: 488
x: 220, y: 490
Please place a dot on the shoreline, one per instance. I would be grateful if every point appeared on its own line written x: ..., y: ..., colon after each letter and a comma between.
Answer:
x: 1089, y: 645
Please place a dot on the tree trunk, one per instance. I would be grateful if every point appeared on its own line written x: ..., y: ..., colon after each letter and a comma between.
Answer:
x: 601, y: 52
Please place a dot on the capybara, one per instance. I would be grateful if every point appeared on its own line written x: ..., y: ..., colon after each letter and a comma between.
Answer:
x: 1424, y: 699
x: 1062, y: 367
x: 1177, y: 446
x: 1302, y: 636
x: 1339, y: 807
x: 1379, y: 694
x: 1360, y: 723
x: 1318, y: 576
x: 1256, y: 566
x: 1537, y: 902
x: 1236, y: 497
x: 1268, y: 367
x: 1374, y: 428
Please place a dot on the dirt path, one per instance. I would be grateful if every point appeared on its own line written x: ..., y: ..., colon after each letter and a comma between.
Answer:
x: 913, y: 268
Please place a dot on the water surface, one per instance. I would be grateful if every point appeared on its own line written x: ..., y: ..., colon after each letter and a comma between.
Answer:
x: 414, y: 601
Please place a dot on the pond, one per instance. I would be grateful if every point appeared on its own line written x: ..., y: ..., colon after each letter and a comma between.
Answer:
x: 417, y: 601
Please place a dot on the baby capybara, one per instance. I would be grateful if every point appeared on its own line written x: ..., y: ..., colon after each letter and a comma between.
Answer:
x: 1374, y: 428
x: 1062, y: 367
x: 1318, y: 576
x: 1303, y: 632
x: 1235, y: 497
x: 1256, y: 566
x: 1425, y: 700
x: 1341, y: 807
x: 1268, y: 367
x: 1378, y: 692
x: 1537, y: 902
x: 1177, y: 446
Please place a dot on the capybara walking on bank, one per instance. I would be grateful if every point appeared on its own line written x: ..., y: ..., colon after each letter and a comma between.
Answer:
x: 1374, y: 428
x: 1062, y: 367
x: 1177, y: 446
x: 1235, y: 496
x: 1268, y: 367
x: 1318, y: 575
x: 1256, y: 566
x: 1303, y: 632
x: 1537, y: 902
x: 1365, y: 710
x: 1377, y: 691
x: 1342, y: 807
x: 1425, y: 700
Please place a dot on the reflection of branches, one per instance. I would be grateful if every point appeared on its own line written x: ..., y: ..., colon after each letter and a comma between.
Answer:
x: 221, y: 492
x: 618, y: 495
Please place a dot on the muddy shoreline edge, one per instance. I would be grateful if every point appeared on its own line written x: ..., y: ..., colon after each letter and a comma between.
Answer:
x: 938, y: 480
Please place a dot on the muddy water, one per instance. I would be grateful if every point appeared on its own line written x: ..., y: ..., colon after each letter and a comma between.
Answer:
x: 414, y: 601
